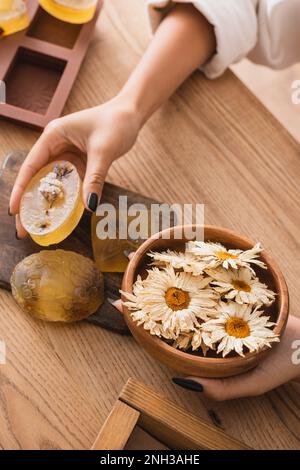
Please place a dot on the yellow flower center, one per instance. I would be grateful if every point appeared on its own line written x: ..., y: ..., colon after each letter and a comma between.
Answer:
x: 177, y: 299
x: 241, y: 285
x: 224, y: 255
x: 237, y: 327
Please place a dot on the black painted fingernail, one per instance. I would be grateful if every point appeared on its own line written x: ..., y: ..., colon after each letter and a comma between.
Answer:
x: 17, y: 236
x: 9, y: 213
x: 127, y: 253
x: 189, y: 384
x: 92, y: 202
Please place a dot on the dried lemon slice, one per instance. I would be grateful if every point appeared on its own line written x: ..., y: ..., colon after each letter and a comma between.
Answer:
x: 51, y: 206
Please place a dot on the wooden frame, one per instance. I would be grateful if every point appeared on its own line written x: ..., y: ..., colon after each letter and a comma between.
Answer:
x: 66, y: 60
x: 161, y: 418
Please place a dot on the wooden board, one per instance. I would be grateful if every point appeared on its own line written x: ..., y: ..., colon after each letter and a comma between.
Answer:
x: 39, y: 66
x: 167, y: 422
x: 79, y: 241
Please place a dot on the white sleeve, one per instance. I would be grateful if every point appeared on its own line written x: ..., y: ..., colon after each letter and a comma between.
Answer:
x: 235, y: 25
x: 278, y: 42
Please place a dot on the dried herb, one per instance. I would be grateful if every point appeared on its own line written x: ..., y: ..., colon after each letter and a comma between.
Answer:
x: 62, y: 171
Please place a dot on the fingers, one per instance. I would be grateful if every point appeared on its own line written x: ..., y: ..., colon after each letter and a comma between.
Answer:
x: 118, y: 305
x: 27, y: 171
x: 20, y: 231
x: 36, y: 159
x: 245, y: 385
x: 96, y: 171
x: 128, y: 253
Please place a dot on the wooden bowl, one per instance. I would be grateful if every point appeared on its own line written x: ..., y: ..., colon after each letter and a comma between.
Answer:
x: 195, y: 364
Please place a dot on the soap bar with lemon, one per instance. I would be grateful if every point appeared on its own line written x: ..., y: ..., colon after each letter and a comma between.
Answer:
x: 58, y: 285
x: 13, y: 16
x: 51, y: 206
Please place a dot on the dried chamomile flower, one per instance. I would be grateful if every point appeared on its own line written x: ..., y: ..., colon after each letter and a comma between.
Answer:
x: 205, y: 298
x: 183, y: 341
x: 178, y: 260
x: 51, y: 188
x: 194, y: 340
x: 241, y: 286
x: 239, y: 326
x: 171, y: 302
x: 215, y: 254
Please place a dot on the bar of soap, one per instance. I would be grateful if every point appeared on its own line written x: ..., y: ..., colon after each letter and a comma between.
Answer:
x: 13, y: 16
x: 71, y: 11
x: 58, y: 285
x: 51, y: 206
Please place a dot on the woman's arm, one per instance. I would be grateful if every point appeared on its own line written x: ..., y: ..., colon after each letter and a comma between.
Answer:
x: 94, y: 138
x: 183, y: 41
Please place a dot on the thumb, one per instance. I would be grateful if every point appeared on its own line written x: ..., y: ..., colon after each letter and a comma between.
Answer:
x: 96, y: 171
x: 244, y: 385
x: 36, y: 159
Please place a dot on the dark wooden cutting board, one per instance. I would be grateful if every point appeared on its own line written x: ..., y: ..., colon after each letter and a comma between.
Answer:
x: 13, y: 250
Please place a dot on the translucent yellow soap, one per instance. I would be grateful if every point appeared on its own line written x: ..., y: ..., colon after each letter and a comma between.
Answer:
x: 13, y: 16
x: 51, y: 206
x: 6, y: 5
x: 71, y: 11
x: 58, y: 285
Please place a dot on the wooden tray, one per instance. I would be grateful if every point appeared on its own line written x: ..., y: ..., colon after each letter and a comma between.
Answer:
x: 14, y: 250
x: 168, y: 423
x: 39, y: 66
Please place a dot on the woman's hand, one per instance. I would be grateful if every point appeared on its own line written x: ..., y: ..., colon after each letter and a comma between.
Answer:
x: 91, y: 139
x: 94, y: 138
x: 281, y: 365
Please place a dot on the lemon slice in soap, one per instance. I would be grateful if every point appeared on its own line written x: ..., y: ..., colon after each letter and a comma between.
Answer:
x: 51, y: 206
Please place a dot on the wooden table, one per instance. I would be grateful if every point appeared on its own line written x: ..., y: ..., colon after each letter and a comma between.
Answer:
x: 222, y: 148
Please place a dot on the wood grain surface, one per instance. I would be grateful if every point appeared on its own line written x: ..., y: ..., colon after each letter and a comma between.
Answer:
x: 278, y: 97
x: 212, y: 143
